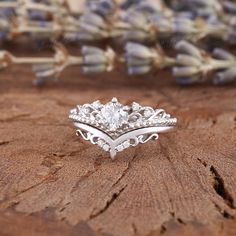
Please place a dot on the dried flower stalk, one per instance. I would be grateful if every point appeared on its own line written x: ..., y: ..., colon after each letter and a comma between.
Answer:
x: 43, y: 67
x: 140, y: 59
x: 191, y: 64
x: 145, y: 21
x: 140, y: 22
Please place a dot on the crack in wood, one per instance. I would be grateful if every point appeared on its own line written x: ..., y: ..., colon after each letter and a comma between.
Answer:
x: 64, y: 207
x: 164, y: 225
x: 163, y: 229
x: 220, y: 188
x: 125, y: 171
x: 135, y: 230
x: 178, y: 219
x: 108, y: 203
x: 114, y: 196
x: 214, y: 121
x: 224, y: 213
x: 202, y: 162
x: 4, y: 142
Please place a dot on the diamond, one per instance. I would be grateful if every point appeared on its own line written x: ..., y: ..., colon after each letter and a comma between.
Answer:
x: 126, y: 144
x: 120, y: 148
x: 113, y: 115
x: 135, y: 106
x: 147, y: 113
x: 96, y: 104
x: 100, y: 143
x: 114, y: 100
x: 106, y: 147
x: 84, y: 111
x: 131, y: 125
x: 73, y: 111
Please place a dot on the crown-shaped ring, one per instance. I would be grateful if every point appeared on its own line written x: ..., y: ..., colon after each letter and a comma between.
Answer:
x: 115, y: 127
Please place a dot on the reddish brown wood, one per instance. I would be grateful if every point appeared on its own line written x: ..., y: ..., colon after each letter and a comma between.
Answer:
x: 53, y: 183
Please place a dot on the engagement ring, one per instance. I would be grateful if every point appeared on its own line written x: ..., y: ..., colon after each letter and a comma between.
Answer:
x: 116, y: 127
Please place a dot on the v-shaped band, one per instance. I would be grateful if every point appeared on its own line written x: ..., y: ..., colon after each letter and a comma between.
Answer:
x: 114, y: 145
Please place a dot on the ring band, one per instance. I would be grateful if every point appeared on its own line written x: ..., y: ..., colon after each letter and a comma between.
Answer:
x: 116, y: 127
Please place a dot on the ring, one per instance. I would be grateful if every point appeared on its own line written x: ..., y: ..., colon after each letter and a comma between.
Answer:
x: 116, y: 127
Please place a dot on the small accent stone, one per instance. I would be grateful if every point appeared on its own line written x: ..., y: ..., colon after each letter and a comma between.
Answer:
x: 147, y: 113
x: 106, y: 147
x: 120, y: 148
x: 96, y: 104
x: 114, y: 100
x: 73, y: 111
x: 135, y: 106
x: 126, y: 144
x: 100, y: 143
x: 85, y: 110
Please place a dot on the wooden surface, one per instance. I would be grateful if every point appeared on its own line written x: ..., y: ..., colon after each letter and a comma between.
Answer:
x: 54, y: 183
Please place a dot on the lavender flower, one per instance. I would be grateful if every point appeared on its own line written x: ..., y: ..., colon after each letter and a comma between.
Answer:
x: 38, y: 15
x: 93, y: 26
x: 7, y: 13
x: 227, y: 73
x: 126, y: 4
x: 44, y: 71
x: 4, y: 29
x: 96, y: 60
x: 101, y: 7
x: 193, y: 65
x: 229, y: 7
x: 50, y: 68
x: 198, y: 7
x: 151, y: 7
x: 134, y: 26
x: 225, y: 76
x: 140, y: 59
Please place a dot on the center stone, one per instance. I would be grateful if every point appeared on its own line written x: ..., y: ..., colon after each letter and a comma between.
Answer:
x: 114, y: 116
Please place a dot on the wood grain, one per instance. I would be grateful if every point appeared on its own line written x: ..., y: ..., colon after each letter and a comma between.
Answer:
x: 54, y: 183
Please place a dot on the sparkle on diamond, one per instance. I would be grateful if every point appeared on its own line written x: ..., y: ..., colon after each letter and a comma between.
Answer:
x: 113, y: 115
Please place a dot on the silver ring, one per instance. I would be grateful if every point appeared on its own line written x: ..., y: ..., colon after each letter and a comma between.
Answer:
x: 116, y: 127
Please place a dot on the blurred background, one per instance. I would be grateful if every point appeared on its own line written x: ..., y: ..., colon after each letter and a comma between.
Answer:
x: 192, y: 41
